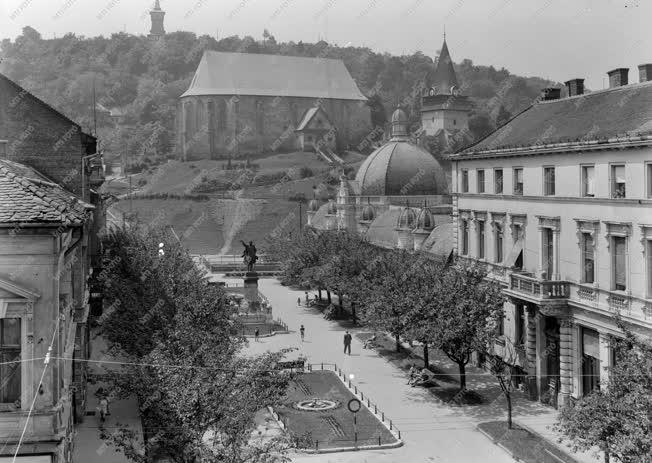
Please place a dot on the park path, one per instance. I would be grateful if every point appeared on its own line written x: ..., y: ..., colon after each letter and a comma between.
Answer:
x: 432, y: 432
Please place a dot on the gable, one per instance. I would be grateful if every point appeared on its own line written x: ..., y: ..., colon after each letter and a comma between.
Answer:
x: 12, y: 290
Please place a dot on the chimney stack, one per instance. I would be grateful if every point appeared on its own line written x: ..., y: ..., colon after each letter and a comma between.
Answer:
x: 550, y: 93
x: 618, y: 77
x: 575, y: 87
x: 645, y: 72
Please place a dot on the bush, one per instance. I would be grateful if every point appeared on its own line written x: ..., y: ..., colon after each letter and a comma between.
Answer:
x: 305, y: 172
x: 332, y: 178
x: 268, y: 179
x: 298, y: 197
x: 141, y: 182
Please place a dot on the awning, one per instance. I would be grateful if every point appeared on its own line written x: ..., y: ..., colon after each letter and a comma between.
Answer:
x: 591, y: 343
x: 517, y: 248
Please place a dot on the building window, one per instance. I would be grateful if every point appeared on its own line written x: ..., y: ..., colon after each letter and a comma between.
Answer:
x: 648, y: 258
x: 465, y: 237
x: 481, y: 239
x: 498, y: 181
x: 480, y: 181
x: 499, y: 242
x: 454, y: 121
x: 590, y: 360
x: 618, y: 188
x: 518, y: 181
x: 588, y: 258
x: 648, y: 180
x: 500, y: 329
x: 520, y: 324
x: 619, y: 263
x: 549, y: 181
x: 548, y: 253
x: 588, y: 181
x: 465, y: 181
x: 9, y: 352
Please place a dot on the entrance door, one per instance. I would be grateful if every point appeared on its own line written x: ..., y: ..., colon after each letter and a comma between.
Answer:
x: 552, y: 361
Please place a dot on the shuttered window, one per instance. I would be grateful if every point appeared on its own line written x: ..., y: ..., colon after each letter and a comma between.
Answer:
x: 588, y: 181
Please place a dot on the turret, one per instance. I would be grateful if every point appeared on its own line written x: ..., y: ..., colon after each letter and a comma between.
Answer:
x: 404, y: 227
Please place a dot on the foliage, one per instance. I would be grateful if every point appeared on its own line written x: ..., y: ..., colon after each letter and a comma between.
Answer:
x: 198, y: 394
x: 141, y: 80
x: 618, y: 419
x: 502, y: 365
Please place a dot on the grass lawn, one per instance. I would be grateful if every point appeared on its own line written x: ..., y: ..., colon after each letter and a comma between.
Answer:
x: 525, y: 445
x: 331, y: 428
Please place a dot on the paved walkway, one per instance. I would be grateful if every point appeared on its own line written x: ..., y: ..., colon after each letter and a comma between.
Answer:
x: 89, y: 447
x: 432, y: 431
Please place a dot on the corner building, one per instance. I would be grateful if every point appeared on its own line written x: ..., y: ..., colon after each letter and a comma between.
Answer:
x: 557, y: 204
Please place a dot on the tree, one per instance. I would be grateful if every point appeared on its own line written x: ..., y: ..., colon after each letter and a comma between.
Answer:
x: 480, y: 125
x: 468, y: 310
x: 616, y: 419
x: 503, y: 116
x: 502, y: 365
x: 198, y: 394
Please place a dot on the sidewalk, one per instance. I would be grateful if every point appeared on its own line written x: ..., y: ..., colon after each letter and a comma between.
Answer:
x: 432, y: 430
x: 89, y: 447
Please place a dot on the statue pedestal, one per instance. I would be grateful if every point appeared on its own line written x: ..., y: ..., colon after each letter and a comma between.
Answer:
x: 251, y: 291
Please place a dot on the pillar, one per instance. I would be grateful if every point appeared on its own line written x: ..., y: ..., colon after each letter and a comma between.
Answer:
x: 540, y: 345
x: 540, y: 268
x: 531, y: 352
x: 555, y: 250
x: 605, y: 359
x: 565, y: 361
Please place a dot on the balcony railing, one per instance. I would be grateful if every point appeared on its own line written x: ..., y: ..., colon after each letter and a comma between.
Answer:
x: 542, y: 289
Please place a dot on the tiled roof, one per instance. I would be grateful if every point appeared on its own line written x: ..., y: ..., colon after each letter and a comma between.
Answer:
x: 601, y: 117
x: 440, y: 241
x: 222, y: 73
x: 28, y: 197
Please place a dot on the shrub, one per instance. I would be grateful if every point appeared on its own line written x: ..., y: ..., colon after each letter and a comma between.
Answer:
x: 141, y: 182
x: 298, y: 197
x: 305, y: 172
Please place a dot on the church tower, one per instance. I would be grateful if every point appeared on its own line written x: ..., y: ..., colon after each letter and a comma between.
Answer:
x: 443, y: 107
x: 157, y: 15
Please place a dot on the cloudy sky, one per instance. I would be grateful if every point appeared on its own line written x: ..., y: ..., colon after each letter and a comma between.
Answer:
x: 556, y: 39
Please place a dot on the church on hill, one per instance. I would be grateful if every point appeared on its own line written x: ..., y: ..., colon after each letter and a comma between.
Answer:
x: 241, y: 103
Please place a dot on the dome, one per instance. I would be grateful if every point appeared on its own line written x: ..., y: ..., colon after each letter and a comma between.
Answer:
x: 399, y: 123
x: 368, y: 213
x: 400, y: 168
x: 407, y: 219
x: 332, y: 208
x: 425, y: 220
x: 313, y: 205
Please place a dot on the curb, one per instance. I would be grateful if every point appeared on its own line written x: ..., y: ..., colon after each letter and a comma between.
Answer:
x: 496, y: 443
x: 265, y: 335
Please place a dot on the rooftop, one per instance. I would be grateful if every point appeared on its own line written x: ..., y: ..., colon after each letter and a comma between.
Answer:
x: 221, y: 73
x: 27, y: 197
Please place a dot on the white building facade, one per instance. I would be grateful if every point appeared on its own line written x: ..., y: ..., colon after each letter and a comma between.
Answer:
x: 557, y: 203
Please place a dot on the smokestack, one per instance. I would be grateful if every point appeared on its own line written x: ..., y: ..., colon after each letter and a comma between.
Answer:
x: 550, y: 93
x: 575, y: 87
x: 645, y: 72
x: 618, y: 77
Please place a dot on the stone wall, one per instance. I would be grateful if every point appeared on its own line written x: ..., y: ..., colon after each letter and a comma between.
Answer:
x: 221, y: 126
x: 40, y: 137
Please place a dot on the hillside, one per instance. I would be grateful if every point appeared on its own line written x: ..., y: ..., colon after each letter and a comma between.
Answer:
x: 138, y: 82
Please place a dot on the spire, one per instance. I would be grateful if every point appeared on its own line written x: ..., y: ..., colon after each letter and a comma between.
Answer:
x: 444, y: 77
x: 157, y: 6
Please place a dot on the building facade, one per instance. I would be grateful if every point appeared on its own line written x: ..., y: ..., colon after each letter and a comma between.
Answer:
x: 50, y: 217
x: 240, y: 103
x: 557, y: 204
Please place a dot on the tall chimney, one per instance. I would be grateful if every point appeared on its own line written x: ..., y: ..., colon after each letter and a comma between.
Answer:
x: 618, y: 77
x: 575, y: 87
x: 645, y: 72
x: 550, y: 93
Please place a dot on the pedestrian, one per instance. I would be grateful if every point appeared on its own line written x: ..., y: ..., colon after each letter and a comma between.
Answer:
x: 256, y: 334
x: 347, y: 342
x: 302, y: 330
x: 104, y: 408
x: 299, y: 301
x: 306, y: 292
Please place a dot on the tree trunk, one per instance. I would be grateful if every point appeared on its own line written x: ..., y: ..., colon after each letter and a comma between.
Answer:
x: 462, y: 367
x: 426, y: 359
x: 328, y: 294
x: 319, y: 290
x: 508, y: 396
x: 353, y: 317
x: 398, y: 343
x: 607, y: 458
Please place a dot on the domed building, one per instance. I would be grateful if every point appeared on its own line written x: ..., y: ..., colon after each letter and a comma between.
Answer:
x: 398, y: 199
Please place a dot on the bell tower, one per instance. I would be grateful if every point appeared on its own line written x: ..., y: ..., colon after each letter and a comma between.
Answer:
x: 158, y: 16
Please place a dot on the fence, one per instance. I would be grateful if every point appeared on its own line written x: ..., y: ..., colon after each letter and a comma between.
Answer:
x: 373, y: 407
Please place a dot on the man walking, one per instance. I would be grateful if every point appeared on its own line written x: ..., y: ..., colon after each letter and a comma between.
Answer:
x: 302, y: 330
x: 256, y: 334
x: 347, y: 342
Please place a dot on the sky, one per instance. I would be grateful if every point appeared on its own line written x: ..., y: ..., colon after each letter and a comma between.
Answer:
x: 554, y: 39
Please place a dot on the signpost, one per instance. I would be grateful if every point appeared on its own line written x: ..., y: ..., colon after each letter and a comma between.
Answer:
x: 354, y: 407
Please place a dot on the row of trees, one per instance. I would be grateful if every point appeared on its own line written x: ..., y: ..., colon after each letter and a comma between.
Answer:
x: 198, y: 393
x: 415, y: 297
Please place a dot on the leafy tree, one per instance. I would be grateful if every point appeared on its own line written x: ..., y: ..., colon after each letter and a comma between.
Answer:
x: 480, y: 125
x: 468, y: 309
x: 616, y: 419
x: 198, y: 394
x: 503, y: 116
x: 502, y: 365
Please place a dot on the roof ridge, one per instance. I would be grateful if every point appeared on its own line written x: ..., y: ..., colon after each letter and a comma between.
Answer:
x: 631, y: 86
x: 272, y: 54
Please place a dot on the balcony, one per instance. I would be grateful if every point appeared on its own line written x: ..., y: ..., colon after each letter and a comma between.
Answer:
x: 537, y: 290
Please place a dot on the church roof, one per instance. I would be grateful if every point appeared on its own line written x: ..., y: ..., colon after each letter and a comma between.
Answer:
x: 444, y: 76
x: 221, y: 73
x: 592, y: 120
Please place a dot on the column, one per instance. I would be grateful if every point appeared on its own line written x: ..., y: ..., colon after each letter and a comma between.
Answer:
x: 540, y: 344
x: 531, y: 352
x: 555, y: 247
x: 605, y: 359
x: 540, y: 253
x: 565, y: 360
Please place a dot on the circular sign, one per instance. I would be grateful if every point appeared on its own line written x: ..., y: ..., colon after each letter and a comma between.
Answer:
x: 354, y: 405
